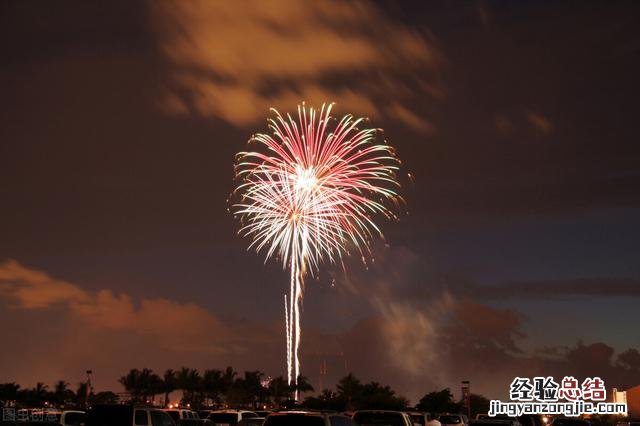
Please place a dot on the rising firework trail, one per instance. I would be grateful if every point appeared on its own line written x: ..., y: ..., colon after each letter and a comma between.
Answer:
x: 309, y: 191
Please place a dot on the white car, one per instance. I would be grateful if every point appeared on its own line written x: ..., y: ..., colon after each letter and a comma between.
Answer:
x: 183, y: 417
x: 72, y: 418
x: 423, y: 419
x: 230, y: 417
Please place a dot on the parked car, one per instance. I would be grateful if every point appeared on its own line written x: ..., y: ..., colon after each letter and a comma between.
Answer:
x: 307, y: 418
x: 184, y: 417
x: 263, y: 413
x: 453, y: 420
x: 230, y: 417
x: 203, y: 414
x: 125, y: 415
x: 495, y: 421
x: 423, y: 419
x: 500, y: 419
x: 251, y: 421
x: 72, y: 418
x: 382, y: 417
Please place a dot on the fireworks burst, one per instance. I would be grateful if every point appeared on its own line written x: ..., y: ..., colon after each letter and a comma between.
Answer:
x: 310, y: 191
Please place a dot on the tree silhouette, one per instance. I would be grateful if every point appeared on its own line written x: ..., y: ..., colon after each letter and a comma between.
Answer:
x: 224, y: 385
x: 279, y: 390
x: 374, y: 395
x: 303, y: 385
x: 212, y: 385
x: 228, y: 378
x: 438, y: 402
x: 142, y: 384
x: 62, y: 395
x: 349, y: 387
x: 247, y: 391
x: 38, y: 395
x: 169, y: 384
x: 478, y: 404
x: 9, y: 391
x: 106, y: 397
x: 190, y: 382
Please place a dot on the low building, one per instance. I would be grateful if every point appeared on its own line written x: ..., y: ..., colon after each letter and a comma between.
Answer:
x: 633, y: 401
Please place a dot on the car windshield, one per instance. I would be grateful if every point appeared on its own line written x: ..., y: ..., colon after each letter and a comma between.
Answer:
x: 74, y: 418
x: 110, y: 415
x: 294, y: 420
x: 451, y: 420
x: 224, y: 418
x: 387, y: 419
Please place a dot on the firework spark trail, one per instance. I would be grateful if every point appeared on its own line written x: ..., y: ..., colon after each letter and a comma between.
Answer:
x: 288, y: 327
x: 310, y: 192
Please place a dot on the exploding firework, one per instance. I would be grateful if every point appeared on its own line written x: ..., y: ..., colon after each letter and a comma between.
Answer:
x: 309, y: 191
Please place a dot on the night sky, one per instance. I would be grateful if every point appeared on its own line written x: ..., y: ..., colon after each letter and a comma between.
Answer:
x: 519, y: 253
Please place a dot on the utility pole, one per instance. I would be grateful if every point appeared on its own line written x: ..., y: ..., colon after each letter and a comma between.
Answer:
x: 323, y: 373
x: 86, y: 401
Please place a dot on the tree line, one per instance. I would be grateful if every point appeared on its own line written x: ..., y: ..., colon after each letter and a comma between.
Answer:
x: 60, y: 396
x: 216, y: 388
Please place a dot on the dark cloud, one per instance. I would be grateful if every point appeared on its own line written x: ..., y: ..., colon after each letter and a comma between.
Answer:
x: 553, y: 289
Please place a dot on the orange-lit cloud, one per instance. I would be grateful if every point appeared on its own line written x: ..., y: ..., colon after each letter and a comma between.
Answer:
x: 185, y: 326
x: 234, y: 61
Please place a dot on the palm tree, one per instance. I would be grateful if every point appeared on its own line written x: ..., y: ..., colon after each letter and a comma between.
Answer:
x: 169, y: 383
x: 142, y: 384
x: 252, y: 387
x: 132, y: 383
x: 349, y: 387
x: 279, y: 390
x: 190, y: 382
x: 212, y: 385
x: 152, y: 385
x: 61, y: 392
x: 40, y: 394
x: 302, y: 385
x: 227, y: 380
